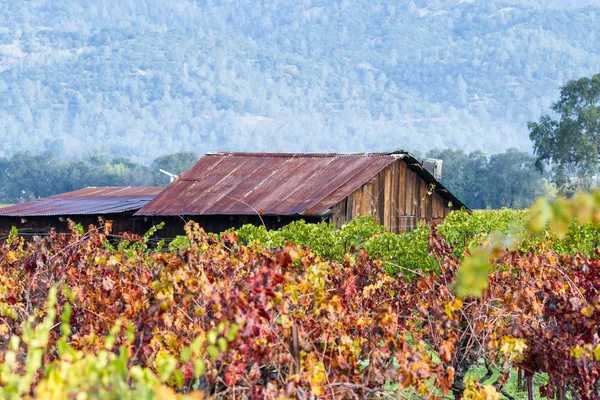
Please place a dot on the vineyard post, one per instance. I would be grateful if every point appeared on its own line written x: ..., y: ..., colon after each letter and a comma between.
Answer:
x: 530, y: 392
x: 295, y: 349
x: 561, y: 393
x: 520, y: 384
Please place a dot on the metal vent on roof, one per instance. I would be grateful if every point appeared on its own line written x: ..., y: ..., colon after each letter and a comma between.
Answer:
x: 433, y: 166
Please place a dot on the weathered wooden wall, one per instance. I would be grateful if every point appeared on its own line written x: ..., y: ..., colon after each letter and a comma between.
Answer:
x: 219, y: 223
x: 397, y: 197
x: 126, y: 222
x: 29, y: 226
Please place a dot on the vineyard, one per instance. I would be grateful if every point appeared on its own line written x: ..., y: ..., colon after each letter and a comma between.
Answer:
x: 489, y: 305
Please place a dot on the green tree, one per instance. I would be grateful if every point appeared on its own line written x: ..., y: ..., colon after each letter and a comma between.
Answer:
x: 571, y: 144
x: 476, y: 182
x: 102, y: 171
x: 25, y: 176
x: 174, y: 163
x: 464, y: 175
x: 506, y: 179
x: 512, y: 180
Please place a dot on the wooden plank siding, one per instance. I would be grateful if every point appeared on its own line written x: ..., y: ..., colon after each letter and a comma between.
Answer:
x: 42, y: 225
x: 397, y: 198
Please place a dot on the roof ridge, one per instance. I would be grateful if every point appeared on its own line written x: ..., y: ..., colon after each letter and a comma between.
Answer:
x: 297, y: 155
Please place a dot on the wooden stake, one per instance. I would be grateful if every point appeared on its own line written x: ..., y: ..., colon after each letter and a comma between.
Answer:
x: 520, y: 383
x: 530, y: 392
x: 296, y: 348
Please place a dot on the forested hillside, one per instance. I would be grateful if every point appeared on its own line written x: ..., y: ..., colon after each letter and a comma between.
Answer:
x: 145, y: 78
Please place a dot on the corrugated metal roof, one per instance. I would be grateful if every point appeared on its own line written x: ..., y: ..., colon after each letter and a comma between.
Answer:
x: 273, y: 184
x: 91, y: 200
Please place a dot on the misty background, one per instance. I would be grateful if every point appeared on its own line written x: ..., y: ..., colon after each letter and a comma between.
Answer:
x: 146, y: 78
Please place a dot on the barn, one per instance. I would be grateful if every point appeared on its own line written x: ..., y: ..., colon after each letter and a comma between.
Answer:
x: 84, y: 206
x: 224, y: 190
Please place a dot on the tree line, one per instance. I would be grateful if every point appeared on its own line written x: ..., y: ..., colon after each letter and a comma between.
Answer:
x: 26, y: 176
x: 481, y: 181
x: 566, y: 146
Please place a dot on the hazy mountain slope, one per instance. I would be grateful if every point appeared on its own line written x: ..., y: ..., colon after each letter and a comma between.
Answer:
x: 148, y: 77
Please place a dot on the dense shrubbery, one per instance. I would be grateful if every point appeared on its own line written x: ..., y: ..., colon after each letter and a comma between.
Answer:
x: 410, y: 251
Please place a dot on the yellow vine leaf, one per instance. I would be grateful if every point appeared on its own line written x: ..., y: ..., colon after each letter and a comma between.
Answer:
x: 316, y: 374
x: 587, y: 311
x: 576, y: 352
x: 455, y: 305
x: 11, y: 256
x: 477, y: 391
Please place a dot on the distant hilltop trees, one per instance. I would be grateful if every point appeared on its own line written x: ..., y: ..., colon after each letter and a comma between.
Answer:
x: 144, y: 78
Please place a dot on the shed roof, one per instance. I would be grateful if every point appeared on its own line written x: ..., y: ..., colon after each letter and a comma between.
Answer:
x: 272, y: 183
x: 91, y: 200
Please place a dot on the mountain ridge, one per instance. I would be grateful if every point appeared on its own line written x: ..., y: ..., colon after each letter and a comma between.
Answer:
x: 146, y: 78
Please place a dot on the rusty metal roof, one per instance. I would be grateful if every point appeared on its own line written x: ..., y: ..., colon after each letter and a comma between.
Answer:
x: 91, y: 200
x: 273, y: 184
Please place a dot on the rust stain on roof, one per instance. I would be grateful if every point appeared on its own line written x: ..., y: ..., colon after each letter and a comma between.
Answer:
x: 91, y: 200
x: 273, y: 184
